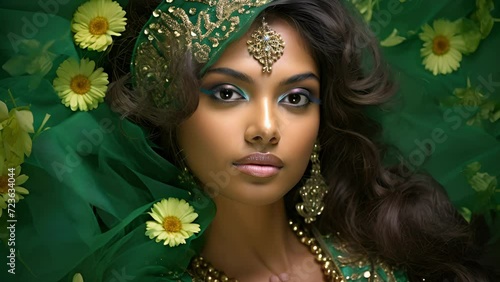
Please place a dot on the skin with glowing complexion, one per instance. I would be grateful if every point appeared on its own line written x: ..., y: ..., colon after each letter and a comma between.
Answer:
x: 251, y: 136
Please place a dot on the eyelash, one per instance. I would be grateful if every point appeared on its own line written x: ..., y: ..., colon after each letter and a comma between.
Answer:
x: 301, y: 92
x: 215, y: 93
x: 216, y: 90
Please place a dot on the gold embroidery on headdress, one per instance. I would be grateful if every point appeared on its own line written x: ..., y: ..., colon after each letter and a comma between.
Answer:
x: 196, y: 33
x: 198, y: 27
x: 266, y: 46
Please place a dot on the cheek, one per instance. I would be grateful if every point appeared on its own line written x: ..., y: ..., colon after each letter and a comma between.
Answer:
x: 300, y: 130
x: 196, y: 136
x: 295, y: 147
x: 204, y: 139
x: 298, y: 138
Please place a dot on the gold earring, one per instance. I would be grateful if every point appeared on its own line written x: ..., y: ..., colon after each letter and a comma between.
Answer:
x: 186, y: 177
x: 266, y: 46
x: 313, y: 191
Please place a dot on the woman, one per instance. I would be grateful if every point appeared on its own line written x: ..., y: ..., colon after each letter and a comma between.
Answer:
x: 254, y: 133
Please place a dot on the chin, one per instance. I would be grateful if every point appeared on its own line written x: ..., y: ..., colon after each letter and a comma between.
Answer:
x: 253, y: 194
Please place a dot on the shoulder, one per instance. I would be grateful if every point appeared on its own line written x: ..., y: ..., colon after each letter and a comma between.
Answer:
x: 355, y: 268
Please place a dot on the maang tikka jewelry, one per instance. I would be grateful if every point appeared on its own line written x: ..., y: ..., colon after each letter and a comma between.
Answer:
x: 313, y: 191
x: 266, y: 46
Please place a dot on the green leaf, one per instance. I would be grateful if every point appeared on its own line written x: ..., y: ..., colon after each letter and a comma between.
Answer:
x: 32, y: 59
x: 485, y: 4
x: 77, y: 277
x: 495, y: 116
x: 470, y: 31
x: 42, y: 127
x: 4, y: 112
x: 365, y: 7
x: 466, y: 213
x: 471, y: 170
x: 485, y: 186
x: 25, y: 120
x: 482, y: 16
x: 483, y: 182
x: 393, y: 39
x: 15, y: 136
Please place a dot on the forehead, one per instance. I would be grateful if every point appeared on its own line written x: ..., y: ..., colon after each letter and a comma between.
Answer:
x: 296, y: 56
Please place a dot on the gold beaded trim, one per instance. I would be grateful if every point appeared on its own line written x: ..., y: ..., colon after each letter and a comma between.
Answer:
x: 201, y: 270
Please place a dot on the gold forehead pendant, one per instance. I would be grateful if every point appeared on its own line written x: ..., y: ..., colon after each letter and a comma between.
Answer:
x: 266, y: 46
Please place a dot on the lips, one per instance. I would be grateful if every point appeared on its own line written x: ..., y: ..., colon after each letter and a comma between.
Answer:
x: 259, y: 165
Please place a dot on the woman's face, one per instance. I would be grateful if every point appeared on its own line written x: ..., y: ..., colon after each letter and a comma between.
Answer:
x: 252, y: 134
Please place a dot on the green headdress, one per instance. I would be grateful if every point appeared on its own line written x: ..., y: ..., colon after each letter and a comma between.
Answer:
x: 198, y: 28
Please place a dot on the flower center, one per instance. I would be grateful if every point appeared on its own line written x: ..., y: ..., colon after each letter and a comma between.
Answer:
x: 172, y: 224
x: 98, y: 26
x: 440, y: 45
x: 80, y: 84
x: 4, y: 188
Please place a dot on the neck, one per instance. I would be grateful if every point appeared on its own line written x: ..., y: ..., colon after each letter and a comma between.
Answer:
x: 245, y: 238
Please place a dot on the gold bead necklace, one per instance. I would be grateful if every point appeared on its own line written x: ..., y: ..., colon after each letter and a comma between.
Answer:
x: 201, y: 270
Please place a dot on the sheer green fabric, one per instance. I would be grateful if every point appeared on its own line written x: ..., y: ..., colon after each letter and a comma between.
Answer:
x: 93, y: 177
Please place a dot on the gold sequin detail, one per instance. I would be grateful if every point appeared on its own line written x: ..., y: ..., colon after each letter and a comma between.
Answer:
x: 359, y: 264
x: 197, y: 32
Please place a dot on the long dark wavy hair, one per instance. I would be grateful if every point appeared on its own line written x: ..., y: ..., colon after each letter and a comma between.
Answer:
x: 383, y: 213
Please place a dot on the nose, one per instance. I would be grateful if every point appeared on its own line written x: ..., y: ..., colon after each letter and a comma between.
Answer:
x: 263, y: 128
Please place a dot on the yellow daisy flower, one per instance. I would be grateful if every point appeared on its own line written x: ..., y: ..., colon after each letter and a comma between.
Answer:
x: 80, y: 85
x: 173, y: 222
x: 6, y: 185
x: 96, y: 21
x: 443, y: 47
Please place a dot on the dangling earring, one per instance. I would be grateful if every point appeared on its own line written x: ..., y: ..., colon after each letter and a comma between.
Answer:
x: 199, y: 200
x: 187, y: 178
x: 313, y: 191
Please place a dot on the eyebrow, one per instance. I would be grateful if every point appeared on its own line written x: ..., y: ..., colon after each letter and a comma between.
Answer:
x: 245, y: 78
x: 300, y: 77
x: 236, y: 74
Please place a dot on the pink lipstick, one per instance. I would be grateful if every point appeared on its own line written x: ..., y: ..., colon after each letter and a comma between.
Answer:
x: 259, y: 165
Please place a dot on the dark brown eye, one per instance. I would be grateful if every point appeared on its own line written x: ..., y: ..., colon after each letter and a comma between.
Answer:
x: 294, y: 99
x: 226, y: 94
